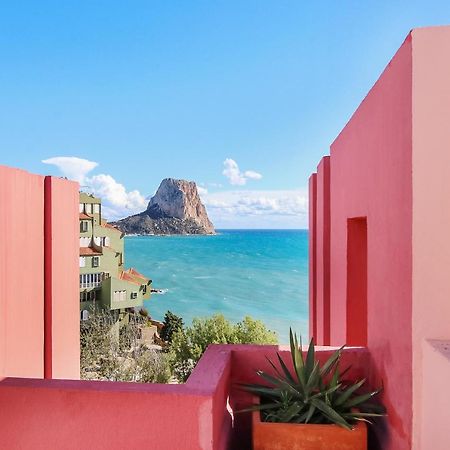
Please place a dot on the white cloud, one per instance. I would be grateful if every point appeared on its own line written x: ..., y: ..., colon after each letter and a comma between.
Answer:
x: 235, y: 176
x: 202, y: 191
x: 227, y: 209
x: 72, y: 167
x: 258, y: 209
x: 117, y: 202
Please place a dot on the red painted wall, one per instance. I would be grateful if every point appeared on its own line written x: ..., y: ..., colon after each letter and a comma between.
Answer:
x: 38, y: 268
x: 312, y: 257
x: 370, y: 177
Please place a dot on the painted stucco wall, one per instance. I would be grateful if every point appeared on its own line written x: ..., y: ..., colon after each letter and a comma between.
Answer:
x: 322, y: 271
x: 431, y: 242
x: 370, y: 180
x: 198, y: 415
x: 38, y: 276
x: 61, y: 291
x: 21, y: 274
x: 391, y: 166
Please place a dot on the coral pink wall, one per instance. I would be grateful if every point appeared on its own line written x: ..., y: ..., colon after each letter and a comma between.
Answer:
x: 62, y: 302
x: 21, y: 273
x: 312, y: 258
x: 431, y: 225
x: 28, y: 247
x: 47, y: 414
x: 43, y: 414
x: 371, y: 178
x: 322, y: 271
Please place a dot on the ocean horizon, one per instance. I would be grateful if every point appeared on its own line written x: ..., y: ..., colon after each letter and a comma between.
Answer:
x: 262, y: 273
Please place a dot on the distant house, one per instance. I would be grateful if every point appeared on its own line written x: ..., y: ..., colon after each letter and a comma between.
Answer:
x: 104, y: 282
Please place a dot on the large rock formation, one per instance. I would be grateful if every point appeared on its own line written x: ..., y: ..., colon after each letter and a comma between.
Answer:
x: 176, y: 208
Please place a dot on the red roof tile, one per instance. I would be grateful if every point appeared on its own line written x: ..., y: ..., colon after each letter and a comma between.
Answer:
x: 88, y: 251
x: 85, y: 216
x: 111, y: 227
x: 124, y: 276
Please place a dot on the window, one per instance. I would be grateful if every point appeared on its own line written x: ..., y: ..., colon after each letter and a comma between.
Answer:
x: 90, y: 280
x: 82, y: 261
x: 120, y: 296
x: 88, y: 208
x: 103, y: 241
x: 133, y: 295
x: 97, y: 208
x: 84, y: 314
x: 95, y: 261
x: 85, y: 241
x: 84, y: 226
x: 81, y: 207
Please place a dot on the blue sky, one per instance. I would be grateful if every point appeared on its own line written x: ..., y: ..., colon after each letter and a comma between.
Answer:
x: 155, y: 89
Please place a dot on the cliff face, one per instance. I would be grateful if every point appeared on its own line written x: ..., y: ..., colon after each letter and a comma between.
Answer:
x: 176, y: 208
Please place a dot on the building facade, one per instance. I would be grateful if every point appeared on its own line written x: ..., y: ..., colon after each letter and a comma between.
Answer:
x: 104, y: 282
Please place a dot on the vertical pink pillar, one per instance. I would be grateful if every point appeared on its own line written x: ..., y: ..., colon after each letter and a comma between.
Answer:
x: 312, y: 256
x: 62, y: 325
x: 323, y: 252
x: 21, y: 274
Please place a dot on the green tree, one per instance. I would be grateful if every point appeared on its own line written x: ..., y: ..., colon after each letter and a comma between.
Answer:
x: 172, y: 323
x: 188, y: 345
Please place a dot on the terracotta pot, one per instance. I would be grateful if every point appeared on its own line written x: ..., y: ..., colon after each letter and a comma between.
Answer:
x: 293, y: 436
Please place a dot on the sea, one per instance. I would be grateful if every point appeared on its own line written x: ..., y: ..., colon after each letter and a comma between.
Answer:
x: 238, y: 273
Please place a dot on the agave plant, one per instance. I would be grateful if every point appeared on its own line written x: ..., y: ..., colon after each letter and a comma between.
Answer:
x: 312, y: 393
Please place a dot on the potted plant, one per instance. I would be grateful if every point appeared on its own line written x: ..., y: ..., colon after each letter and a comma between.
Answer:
x: 310, y: 407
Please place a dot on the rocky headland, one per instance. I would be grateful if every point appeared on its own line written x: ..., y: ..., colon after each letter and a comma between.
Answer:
x: 176, y: 208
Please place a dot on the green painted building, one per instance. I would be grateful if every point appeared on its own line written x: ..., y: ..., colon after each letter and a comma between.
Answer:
x: 104, y: 282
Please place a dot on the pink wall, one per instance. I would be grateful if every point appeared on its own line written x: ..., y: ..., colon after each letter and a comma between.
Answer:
x: 431, y: 225
x: 371, y: 178
x: 21, y: 273
x: 323, y: 252
x: 43, y: 414
x: 62, y: 302
x: 313, y: 258
x: 32, y: 205
x: 391, y: 165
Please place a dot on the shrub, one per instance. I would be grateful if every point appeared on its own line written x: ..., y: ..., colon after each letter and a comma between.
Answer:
x: 113, y: 352
x: 188, y: 345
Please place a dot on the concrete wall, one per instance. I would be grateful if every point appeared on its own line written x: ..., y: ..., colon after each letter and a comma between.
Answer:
x: 39, y: 326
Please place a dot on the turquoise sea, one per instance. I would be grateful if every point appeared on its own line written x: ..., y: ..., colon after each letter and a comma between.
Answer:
x: 261, y: 273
